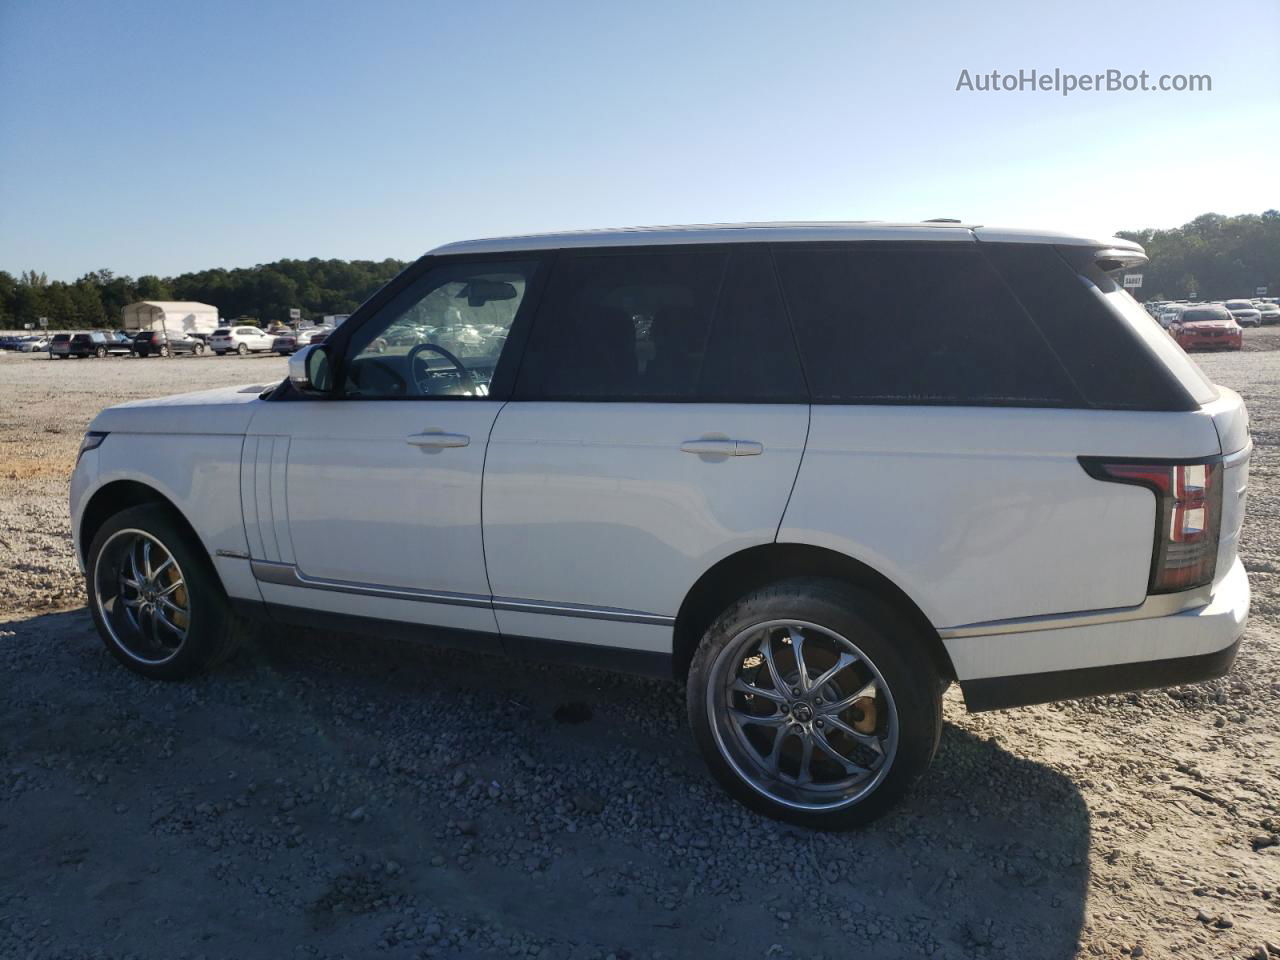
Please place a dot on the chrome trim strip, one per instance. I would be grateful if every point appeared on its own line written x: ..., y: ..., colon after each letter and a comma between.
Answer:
x: 288, y: 575
x: 580, y: 610
x: 1160, y: 605
x: 233, y: 554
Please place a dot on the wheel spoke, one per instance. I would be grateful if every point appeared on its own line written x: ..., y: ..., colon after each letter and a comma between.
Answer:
x: 844, y: 660
x: 133, y: 564
x: 742, y: 718
x: 158, y: 616
x: 741, y: 686
x: 168, y: 562
x: 805, y: 773
x: 775, y: 753
x: 831, y: 709
x: 169, y: 590
x: 766, y: 651
x: 797, y: 647
x: 868, y: 740
x: 848, y: 765
x: 131, y: 584
x: 131, y: 602
x: 146, y: 559
x: 166, y: 602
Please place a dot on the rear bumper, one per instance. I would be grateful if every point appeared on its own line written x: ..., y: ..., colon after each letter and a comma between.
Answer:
x: 1039, y: 666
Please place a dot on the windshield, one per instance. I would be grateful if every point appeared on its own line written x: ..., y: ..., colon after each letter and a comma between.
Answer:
x: 1239, y: 305
x: 1194, y: 316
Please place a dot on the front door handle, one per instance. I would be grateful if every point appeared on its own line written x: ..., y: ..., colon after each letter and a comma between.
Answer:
x: 436, y: 440
x: 708, y: 447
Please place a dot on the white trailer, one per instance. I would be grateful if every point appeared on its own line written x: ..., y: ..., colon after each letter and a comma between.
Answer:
x: 174, y: 317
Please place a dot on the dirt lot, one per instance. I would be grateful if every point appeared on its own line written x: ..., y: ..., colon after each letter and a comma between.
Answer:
x: 335, y: 796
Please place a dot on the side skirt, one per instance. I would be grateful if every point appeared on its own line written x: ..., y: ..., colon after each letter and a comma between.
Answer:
x: 617, y: 659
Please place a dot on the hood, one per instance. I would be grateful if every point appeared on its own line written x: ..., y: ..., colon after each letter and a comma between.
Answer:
x: 1194, y: 325
x: 224, y: 410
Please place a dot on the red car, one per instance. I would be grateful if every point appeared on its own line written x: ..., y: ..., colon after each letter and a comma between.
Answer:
x: 1207, y: 328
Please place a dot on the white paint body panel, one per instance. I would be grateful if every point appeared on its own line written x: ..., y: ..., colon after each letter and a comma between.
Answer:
x: 983, y: 514
x: 596, y: 504
x: 364, y: 506
x: 1203, y: 630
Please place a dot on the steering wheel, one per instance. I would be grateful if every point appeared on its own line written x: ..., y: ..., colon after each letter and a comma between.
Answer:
x: 465, y: 379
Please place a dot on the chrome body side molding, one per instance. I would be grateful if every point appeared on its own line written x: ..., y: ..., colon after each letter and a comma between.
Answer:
x: 288, y: 575
x: 1159, y: 605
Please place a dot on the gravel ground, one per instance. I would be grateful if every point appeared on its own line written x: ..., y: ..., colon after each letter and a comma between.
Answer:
x: 336, y: 796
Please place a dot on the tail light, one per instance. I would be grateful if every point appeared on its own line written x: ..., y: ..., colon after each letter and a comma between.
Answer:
x: 1188, y: 516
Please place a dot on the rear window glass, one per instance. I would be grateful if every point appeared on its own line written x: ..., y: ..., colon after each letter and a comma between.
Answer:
x: 61, y: 337
x: 145, y: 335
x: 222, y: 332
x: 81, y: 338
x: 662, y: 325
x: 898, y: 323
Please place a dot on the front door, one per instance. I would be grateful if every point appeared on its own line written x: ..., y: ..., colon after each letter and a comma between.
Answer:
x: 369, y: 503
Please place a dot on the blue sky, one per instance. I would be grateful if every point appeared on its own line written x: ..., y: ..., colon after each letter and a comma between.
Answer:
x: 158, y: 137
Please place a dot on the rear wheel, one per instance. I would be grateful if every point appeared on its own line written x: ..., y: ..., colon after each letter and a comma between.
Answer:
x: 815, y: 702
x: 243, y: 349
x: 199, y: 350
x: 100, y: 353
x: 154, y: 596
x: 164, y: 351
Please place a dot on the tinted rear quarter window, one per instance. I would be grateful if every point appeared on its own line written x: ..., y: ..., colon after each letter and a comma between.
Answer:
x: 1112, y: 362
x: 912, y: 323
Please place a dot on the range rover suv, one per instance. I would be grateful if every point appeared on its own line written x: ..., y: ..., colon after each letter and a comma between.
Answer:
x: 813, y: 472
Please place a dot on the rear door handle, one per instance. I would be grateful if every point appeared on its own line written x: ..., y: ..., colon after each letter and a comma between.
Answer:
x: 723, y: 448
x: 437, y: 440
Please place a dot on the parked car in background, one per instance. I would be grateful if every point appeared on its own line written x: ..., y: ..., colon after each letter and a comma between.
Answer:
x: 652, y: 472
x: 1208, y: 327
x: 241, y: 340
x: 60, y: 346
x: 1245, y: 313
x: 319, y: 335
x: 36, y: 344
x: 1268, y: 313
x: 158, y: 343
x: 95, y: 344
x: 285, y: 343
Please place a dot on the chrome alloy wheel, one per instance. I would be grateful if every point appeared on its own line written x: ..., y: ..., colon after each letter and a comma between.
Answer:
x: 802, y: 715
x: 142, y: 597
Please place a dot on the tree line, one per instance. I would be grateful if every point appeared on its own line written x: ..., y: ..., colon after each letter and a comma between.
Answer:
x: 265, y: 293
x: 1211, y: 258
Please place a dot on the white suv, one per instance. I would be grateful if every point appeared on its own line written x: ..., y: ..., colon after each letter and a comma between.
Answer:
x: 242, y: 340
x: 813, y: 472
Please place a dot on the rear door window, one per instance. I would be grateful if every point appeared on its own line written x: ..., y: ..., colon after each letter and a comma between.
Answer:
x: 662, y: 324
x: 922, y: 324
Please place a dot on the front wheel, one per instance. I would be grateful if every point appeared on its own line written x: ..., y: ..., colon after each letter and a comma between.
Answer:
x: 814, y: 702
x: 164, y: 351
x: 100, y: 353
x: 154, y: 596
x: 199, y: 350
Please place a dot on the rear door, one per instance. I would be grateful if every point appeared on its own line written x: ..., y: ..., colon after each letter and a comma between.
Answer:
x: 369, y: 504
x: 656, y: 427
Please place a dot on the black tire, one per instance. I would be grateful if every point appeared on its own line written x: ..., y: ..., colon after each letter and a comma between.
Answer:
x: 100, y: 353
x: 243, y: 349
x: 199, y: 350
x: 887, y: 640
x: 212, y: 630
x: 221, y: 353
x: 164, y: 351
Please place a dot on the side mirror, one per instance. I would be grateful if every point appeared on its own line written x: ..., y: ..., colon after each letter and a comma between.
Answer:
x: 309, y: 369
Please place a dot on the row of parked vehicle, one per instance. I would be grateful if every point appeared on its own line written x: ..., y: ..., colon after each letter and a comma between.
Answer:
x: 1217, y: 325
x: 240, y: 340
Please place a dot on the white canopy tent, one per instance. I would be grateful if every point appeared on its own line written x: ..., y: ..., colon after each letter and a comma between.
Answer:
x: 173, y: 316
